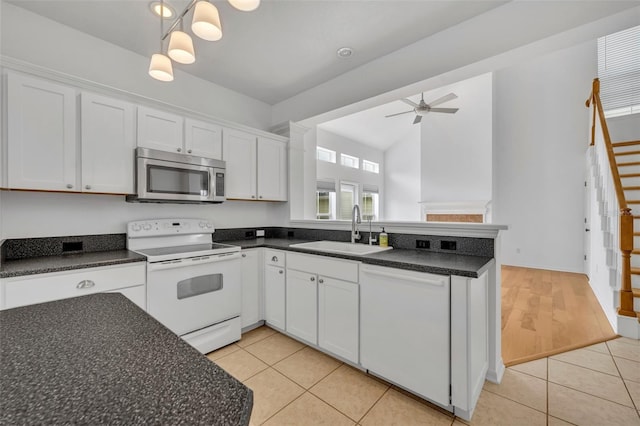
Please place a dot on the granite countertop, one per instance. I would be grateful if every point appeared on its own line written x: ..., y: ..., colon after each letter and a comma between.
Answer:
x: 67, y: 262
x: 415, y: 260
x: 99, y: 359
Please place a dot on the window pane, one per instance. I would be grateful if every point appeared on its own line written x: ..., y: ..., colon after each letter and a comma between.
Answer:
x: 370, y: 206
x: 370, y: 166
x: 348, y: 197
x: 349, y: 161
x: 325, y: 201
x: 324, y: 154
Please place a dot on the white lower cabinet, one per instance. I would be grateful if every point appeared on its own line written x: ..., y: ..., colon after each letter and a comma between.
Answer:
x: 274, y: 289
x: 251, y: 287
x: 302, y: 305
x: 338, y: 317
x: 128, y: 279
x: 404, y: 330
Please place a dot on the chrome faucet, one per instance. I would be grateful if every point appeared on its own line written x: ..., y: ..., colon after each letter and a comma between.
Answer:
x: 355, y: 220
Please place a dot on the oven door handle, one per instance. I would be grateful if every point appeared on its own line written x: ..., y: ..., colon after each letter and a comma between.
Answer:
x: 192, y: 261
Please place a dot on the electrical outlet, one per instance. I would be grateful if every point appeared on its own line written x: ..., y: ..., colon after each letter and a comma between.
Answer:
x: 448, y: 245
x: 423, y: 244
x: 260, y: 233
x: 71, y: 246
x: 250, y: 234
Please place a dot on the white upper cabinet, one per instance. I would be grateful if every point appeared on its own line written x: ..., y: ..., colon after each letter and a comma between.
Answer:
x: 160, y: 130
x: 272, y: 169
x: 41, y: 135
x: 203, y: 139
x: 108, y: 142
x: 256, y: 166
x: 239, y: 152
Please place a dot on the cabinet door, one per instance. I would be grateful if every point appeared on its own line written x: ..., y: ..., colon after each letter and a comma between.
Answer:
x: 251, y: 287
x: 160, y: 130
x: 272, y: 170
x: 302, y: 305
x: 239, y: 152
x: 404, y: 330
x: 274, y: 296
x: 203, y: 139
x: 108, y: 142
x: 41, y: 121
x: 338, y: 317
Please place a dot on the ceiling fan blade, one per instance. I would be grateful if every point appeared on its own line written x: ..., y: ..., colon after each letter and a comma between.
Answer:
x: 443, y: 99
x: 417, y: 119
x: 410, y: 102
x: 399, y: 113
x: 447, y: 110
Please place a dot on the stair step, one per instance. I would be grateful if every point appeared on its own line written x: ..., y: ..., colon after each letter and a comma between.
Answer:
x: 635, y: 271
x: 631, y: 188
x: 631, y: 163
x: 635, y: 251
x: 627, y: 153
x: 626, y: 143
x: 633, y: 201
x: 629, y: 175
x: 636, y: 292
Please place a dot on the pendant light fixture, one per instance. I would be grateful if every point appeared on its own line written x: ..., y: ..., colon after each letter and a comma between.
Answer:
x: 181, y: 47
x: 160, y: 67
x: 205, y: 24
x: 206, y: 21
x: 245, y: 5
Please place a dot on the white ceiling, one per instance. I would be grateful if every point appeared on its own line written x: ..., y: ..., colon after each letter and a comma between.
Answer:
x: 283, y: 48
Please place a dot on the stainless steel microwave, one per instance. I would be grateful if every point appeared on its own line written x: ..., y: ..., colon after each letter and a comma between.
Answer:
x: 166, y: 177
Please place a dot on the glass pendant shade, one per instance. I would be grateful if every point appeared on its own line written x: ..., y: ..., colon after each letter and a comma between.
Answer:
x: 181, y: 48
x: 160, y: 67
x: 206, y: 21
x: 245, y: 5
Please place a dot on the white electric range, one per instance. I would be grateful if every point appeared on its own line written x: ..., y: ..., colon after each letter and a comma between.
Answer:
x: 193, y: 284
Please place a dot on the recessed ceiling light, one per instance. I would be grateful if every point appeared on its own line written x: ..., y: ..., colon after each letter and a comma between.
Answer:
x: 166, y: 11
x: 344, y: 52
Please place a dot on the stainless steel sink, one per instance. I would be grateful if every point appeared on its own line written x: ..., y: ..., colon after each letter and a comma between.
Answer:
x: 341, y: 247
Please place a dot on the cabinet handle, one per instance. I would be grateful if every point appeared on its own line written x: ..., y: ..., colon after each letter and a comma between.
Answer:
x: 87, y: 187
x: 253, y: 196
x: 312, y: 279
x: 179, y: 149
x: 320, y: 280
x: 189, y: 151
x: 69, y: 186
x: 85, y: 284
x: 260, y: 197
x: 244, y: 255
x: 281, y: 271
x: 274, y: 259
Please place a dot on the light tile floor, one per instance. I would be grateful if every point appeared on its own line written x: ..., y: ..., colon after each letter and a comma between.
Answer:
x: 294, y: 384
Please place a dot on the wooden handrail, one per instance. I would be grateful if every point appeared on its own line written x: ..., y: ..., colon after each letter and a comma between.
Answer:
x: 626, y: 217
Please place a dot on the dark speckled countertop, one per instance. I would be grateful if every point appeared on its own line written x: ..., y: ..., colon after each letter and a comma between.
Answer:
x: 67, y: 262
x: 99, y: 359
x: 415, y: 260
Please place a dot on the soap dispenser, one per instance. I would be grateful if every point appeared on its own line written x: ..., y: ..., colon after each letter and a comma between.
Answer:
x: 383, y: 238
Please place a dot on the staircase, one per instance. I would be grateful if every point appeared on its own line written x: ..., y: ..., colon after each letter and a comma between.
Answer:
x: 615, y: 262
x: 627, y: 156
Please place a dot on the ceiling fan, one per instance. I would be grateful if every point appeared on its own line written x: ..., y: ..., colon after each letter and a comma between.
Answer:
x: 423, y: 108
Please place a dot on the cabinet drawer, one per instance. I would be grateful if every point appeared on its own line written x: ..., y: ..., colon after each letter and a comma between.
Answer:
x: 275, y: 258
x: 21, y: 291
x: 325, y: 266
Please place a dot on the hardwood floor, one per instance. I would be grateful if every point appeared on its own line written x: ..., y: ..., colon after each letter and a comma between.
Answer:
x: 548, y: 312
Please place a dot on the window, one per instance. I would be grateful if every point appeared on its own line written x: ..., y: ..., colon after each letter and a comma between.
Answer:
x: 324, y: 154
x: 348, y: 198
x: 349, y: 161
x: 619, y: 72
x: 370, y: 202
x: 370, y: 166
x: 326, y: 199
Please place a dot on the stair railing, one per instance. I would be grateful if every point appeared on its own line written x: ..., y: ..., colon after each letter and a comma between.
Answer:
x: 626, y: 218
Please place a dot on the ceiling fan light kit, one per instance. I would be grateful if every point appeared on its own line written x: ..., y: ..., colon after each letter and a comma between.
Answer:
x: 421, y: 109
x: 205, y: 24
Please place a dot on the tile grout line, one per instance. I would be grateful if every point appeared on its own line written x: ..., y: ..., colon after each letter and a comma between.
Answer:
x: 588, y: 368
x: 373, y: 405
x: 625, y: 384
x: 517, y: 402
x: 285, y: 406
x: 594, y: 396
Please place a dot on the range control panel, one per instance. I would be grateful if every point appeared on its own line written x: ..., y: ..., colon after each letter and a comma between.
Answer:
x: 161, y: 227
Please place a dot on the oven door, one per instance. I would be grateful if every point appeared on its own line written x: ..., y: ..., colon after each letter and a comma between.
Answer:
x: 189, y: 294
x: 168, y: 180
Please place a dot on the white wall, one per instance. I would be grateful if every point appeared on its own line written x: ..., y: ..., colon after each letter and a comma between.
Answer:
x: 402, y: 178
x: 42, y: 214
x: 625, y: 128
x: 456, y: 148
x: 340, y: 144
x: 31, y: 38
x: 540, y: 138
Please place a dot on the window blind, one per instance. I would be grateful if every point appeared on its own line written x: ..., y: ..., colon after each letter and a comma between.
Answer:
x: 619, y: 69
